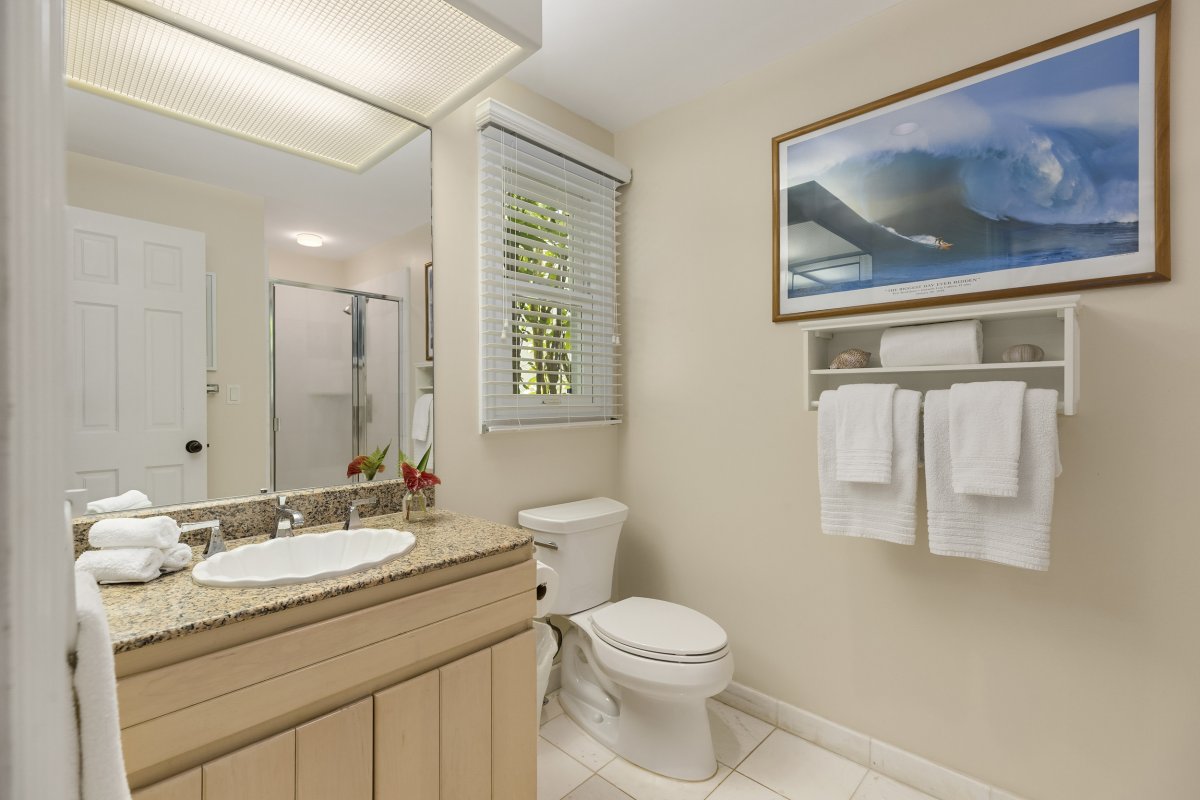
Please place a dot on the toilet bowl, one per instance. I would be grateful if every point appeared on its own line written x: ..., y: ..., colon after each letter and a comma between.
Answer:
x: 635, y: 673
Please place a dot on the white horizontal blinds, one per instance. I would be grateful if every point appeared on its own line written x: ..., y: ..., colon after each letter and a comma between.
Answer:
x: 548, y: 288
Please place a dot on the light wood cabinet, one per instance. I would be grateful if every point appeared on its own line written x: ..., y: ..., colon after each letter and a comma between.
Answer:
x: 420, y: 698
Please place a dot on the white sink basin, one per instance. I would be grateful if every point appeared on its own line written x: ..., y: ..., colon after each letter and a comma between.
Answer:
x: 303, y: 558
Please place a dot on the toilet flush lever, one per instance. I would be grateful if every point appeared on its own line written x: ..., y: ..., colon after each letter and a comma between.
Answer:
x: 547, y: 545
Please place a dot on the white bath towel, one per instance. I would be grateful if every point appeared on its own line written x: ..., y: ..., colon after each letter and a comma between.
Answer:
x: 1006, y: 530
x: 176, y: 557
x: 130, y: 501
x: 422, y: 422
x: 149, y: 532
x: 101, y: 760
x: 874, y: 511
x: 985, y: 436
x: 122, y: 565
x: 959, y: 342
x: 864, y: 432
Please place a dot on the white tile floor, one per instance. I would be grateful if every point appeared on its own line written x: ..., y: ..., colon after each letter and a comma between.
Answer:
x: 756, y: 761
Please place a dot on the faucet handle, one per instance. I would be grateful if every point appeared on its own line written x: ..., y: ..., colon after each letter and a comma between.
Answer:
x: 216, y: 542
x: 353, y: 520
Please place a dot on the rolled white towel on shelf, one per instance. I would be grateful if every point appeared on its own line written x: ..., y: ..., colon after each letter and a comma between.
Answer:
x: 156, y: 532
x: 130, y: 501
x: 1006, y: 530
x: 864, y: 432
x: 942, y: 343
x: 176, y: 557
x: 985, y: 436
x: 885, y: 511
x: 124, y: 565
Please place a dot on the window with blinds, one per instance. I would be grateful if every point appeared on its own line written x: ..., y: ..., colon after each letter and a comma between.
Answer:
x: 549, y: 288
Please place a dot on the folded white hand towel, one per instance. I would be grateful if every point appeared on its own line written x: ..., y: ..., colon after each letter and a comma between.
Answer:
x: 130, y: 501
x: 864, y: 432
x: 124, y: 565
x: 1006, y: 530
x: 985, y: 436
x: 176, y: 557
x: 959, y: 342
x: 102, y: 773
x: 149, y: 532
x: 422, y: 422
x: 874, y: 511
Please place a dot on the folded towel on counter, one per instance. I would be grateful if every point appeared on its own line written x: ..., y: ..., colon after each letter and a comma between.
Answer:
x: 985, y: 437
x: 886, y: 511
x: 176, y: 557
x: 150, y: 532
x: 864, y: 432
x: 130, y: 501
x: 124, y: 565
x: 958, y: 342
x: 102, y: 764
x: 1006, y: 530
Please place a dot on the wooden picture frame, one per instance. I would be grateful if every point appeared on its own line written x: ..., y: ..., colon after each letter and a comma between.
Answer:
x: 860, y: 281
x: 429, y: 311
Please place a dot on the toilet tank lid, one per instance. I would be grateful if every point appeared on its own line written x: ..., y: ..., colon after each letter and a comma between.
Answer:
x: 581, y: 515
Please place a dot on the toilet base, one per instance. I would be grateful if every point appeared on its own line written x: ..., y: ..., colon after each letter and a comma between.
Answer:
x: 667, y: 735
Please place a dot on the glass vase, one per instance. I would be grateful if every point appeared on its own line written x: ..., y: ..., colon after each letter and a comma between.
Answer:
x: 416, y: 507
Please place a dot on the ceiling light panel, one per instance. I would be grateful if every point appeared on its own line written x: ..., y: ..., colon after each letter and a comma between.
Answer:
x: 414, y: 55
x: 120, y: 53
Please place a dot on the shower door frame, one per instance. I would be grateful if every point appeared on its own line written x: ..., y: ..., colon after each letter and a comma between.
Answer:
x: 358, y: 365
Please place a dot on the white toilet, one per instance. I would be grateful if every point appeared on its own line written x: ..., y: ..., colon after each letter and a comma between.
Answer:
x: 635, y: 673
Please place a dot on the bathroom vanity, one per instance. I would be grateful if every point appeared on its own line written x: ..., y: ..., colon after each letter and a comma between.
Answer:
x: 414, y: 679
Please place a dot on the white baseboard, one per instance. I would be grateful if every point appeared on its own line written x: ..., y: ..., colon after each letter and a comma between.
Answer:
x: 901, y: 765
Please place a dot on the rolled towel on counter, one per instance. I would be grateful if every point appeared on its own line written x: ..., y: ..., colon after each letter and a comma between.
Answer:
x: 126, y: 565
x: 176, y: 557
x: 130, y: 501
x: 158, y: 532
x: 985, y: 436
x: 886, y: 511
x: 864, y: 432
x: 942, y: 343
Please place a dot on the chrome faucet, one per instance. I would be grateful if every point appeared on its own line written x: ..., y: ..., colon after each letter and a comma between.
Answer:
x: 216, y: 542
x: 284, y: 513
x: 353, y: 521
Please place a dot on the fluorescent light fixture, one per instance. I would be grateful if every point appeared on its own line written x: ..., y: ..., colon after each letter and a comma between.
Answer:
x: 309, y: 240
x: 122, y: 54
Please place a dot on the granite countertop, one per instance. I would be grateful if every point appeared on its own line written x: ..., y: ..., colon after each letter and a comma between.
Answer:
x: 174, y: 605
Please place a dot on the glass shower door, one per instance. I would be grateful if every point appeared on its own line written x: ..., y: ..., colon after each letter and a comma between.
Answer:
x: 336, y: 382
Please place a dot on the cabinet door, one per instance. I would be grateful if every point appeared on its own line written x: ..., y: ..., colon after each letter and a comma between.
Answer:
x: 407, y: 740
x: 466, y: 727
x: 185, y: 786
x: 334, y: 757
x: 514, y: 719
x: 262, y: 771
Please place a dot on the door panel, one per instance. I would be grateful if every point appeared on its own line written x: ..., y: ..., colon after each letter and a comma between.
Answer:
x: 514, y: 719
x: 137, y: 329
x: 466, y: 727
x: 334, y: 755
x: 263, y: 771
x: 407, y: 740
x: 187, y: 786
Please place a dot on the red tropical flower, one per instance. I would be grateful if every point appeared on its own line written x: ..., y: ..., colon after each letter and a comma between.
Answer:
x: 356, y: 466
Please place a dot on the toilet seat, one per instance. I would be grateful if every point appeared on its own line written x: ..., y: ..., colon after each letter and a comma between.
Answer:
x: 661, y: 631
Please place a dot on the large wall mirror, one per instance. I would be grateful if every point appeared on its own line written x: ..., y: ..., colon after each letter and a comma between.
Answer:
x: 214, y: 351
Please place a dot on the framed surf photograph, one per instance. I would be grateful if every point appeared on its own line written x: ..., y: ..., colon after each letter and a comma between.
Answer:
x: 1041, y: 171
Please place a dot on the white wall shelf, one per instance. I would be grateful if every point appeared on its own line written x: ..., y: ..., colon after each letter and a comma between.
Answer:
x: 1051, y: 323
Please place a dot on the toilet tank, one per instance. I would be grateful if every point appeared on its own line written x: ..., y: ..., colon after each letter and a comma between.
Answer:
x: 580, y: 543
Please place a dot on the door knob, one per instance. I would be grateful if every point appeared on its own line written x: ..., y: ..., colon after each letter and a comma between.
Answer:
x: 193, y: 447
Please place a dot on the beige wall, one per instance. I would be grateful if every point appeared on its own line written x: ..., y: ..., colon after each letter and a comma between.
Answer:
x: 291, y: 266
x: 1083, y: 682
x: 232, y: 224
x: 496, y: 475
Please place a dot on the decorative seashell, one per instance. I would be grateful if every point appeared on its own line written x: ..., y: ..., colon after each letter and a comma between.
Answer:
x: 1023, y: 352
x: 850, y: 359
